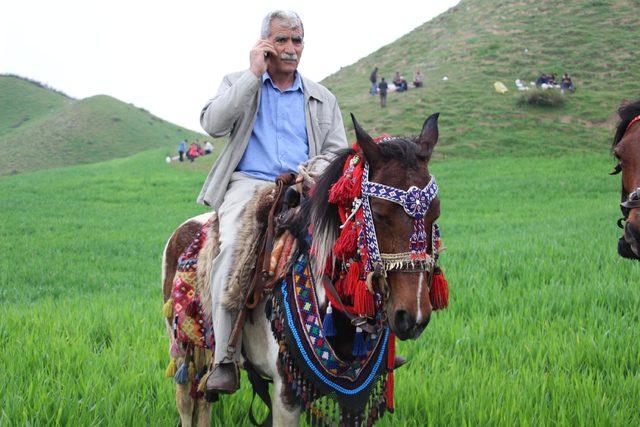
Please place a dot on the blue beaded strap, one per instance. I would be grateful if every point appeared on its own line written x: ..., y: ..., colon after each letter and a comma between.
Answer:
x: 319, y: 374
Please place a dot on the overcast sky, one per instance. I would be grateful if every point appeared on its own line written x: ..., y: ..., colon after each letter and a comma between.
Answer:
x: 169, y: 57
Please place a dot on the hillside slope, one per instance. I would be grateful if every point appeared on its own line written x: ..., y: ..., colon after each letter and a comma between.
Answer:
x: 479, y: 42
x: 22, y: 101
x: 42, y: 129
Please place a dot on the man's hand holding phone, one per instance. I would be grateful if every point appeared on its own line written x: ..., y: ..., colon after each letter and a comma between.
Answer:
x: 259, y: 56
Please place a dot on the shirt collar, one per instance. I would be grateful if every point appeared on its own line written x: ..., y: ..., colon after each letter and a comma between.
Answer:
x: 297, y: 82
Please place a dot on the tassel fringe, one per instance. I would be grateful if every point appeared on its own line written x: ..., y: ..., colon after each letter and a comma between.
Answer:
x: 171, y: 369
x: 328, y: 327
x: 439, y: 293
x: 167, y: 308
x: 359, y: 346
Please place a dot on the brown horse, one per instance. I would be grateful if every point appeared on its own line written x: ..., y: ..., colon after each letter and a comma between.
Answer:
x: 395, y: 162
x: 626, y: 149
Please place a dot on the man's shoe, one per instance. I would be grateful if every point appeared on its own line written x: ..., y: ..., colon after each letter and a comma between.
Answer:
x: 225, y: 378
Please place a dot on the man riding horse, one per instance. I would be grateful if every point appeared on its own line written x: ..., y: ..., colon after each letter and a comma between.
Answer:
x: 276, y: 119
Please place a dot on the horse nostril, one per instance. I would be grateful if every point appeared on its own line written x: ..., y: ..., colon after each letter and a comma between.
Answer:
x: 404, y: 321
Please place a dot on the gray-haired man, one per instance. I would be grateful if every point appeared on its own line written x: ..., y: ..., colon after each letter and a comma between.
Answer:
x: 276, y: 120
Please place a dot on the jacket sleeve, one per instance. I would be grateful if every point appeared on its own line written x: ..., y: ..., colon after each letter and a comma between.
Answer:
x: 335, y: 140
x: 220, y: 114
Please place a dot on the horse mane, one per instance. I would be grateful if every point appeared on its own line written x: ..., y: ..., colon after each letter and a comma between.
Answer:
x: 627, y: 113
x: 322, y: 216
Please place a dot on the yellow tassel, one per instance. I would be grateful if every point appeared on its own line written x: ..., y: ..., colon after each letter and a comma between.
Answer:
x: 203, y: 382
x: 192, y: 371
x: 171, y: 369
x: 167, y: 308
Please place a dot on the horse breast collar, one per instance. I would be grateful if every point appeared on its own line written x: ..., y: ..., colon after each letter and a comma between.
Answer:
x: 415, y: 202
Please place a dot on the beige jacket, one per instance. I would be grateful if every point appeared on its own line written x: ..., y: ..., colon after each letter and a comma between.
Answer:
x: 233, y: 111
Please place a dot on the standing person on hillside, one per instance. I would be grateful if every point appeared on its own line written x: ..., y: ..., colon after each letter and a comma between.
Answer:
x: 373, y: 78
x: 383, y: 92
x: 182, y: 147
x: 418, y: 79
x: 277, y: 119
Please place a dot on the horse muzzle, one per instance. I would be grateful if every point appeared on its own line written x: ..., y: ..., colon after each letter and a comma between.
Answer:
x: 629, y: 243
x: 404, y: 325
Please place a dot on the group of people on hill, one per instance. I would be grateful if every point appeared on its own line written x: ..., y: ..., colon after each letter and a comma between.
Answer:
x: 546, y: 81
x: 194, y: 150
x: 399, y: 84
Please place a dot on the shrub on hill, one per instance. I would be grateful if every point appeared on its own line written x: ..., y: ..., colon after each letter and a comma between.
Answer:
x: 541, y: 98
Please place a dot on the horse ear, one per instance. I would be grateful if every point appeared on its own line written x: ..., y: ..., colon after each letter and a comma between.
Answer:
x: 369, y: 148
x: 429, y: 136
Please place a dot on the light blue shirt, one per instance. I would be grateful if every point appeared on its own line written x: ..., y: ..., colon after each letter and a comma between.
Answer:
x: 279, y: 141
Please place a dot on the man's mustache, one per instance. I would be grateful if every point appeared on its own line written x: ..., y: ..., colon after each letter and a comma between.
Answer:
x: 288, y: 56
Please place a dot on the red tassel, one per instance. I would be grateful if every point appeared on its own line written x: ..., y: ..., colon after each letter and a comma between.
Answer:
x: 340, y: 190
x: 391, y: 357
x: 353, y: 277
x: 356, y: 180
x: 439, y: 293
x: 364, y: 303
x: 347, y: 243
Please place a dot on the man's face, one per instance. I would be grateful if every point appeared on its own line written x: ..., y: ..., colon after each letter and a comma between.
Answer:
x: 289, y: 44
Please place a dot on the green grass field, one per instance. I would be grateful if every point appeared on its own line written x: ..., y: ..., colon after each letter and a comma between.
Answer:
x: 542, y: 328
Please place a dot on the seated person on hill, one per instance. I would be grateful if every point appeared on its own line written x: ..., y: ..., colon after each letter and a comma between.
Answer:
x: 400, y: 83
x: 567, y: 83
x: 552, y: 80
x: 417, y: 79
x: 542, y: 80
x: 193, y: 151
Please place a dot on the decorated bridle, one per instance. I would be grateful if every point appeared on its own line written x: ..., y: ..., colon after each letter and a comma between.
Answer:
x: 415, y: 202
x: 632, y: 199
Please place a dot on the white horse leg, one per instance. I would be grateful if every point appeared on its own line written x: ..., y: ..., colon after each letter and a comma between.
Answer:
x: 185, y: 404
x: 203, y: 412
x: 283, y: 413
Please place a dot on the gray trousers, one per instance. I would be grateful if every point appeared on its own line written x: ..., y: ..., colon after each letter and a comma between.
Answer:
x: 240, y: 190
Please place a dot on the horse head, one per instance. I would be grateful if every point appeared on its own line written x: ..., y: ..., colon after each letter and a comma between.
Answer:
x: 403, y: 164
x: 626, y: 149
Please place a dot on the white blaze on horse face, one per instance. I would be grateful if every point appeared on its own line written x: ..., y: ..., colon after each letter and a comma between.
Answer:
x: 419, y: 313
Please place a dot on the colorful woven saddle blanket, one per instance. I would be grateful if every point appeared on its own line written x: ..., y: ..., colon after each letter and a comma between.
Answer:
x: 331, y: 389
x: 191, y: 324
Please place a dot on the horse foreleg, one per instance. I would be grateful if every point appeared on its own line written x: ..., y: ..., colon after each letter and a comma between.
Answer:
x: 203, y: 412
x: 283, y: 412
x: 185, y: 405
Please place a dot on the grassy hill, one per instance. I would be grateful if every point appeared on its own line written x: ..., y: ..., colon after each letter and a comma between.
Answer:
x: 41, y: 128
x: 479, y: 42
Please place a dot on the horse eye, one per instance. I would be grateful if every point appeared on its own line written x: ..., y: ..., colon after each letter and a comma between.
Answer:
x: 616, y: 170
x: 380, y: 218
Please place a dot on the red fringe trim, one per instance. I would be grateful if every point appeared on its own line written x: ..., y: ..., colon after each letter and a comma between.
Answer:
x: 347, y: 243
x: 391, y: 357
x: 340, y: 190
x: 439, y: 293
x: 364, y: 304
